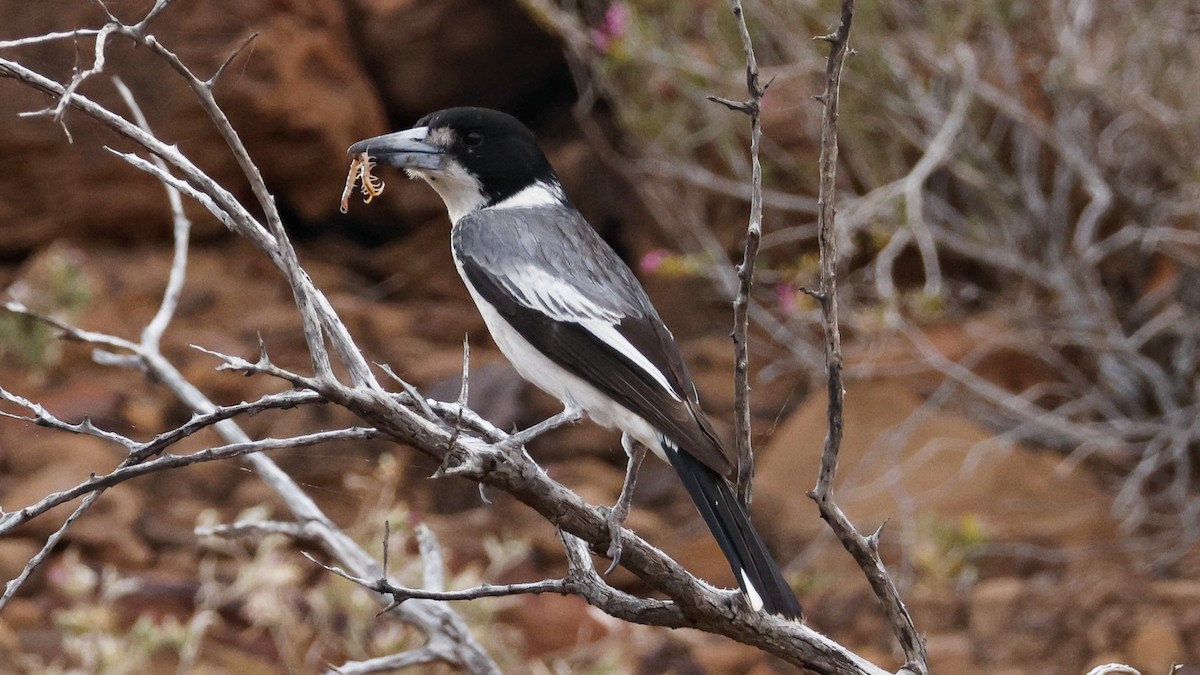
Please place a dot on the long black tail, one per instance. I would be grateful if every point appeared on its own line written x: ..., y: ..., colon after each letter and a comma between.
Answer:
x: 752, y: 565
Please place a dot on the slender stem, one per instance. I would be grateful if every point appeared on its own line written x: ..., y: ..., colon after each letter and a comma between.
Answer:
x: 864, y: 549
x: 745, y: 271
x: 827, y: 241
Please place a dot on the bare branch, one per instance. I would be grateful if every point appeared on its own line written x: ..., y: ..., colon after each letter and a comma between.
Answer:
x: 445, y: 629
x: 41, y: 417
x: 262, y: 366
x: 11, y: 588
x: 400, y: 594
x: 282, y: 401
x: 78, y: 78
x: 127, y: 471
x: 159, y: 6
x: 417, y: 399
x: 50, y: 37
x: 256, y: 529
x: 152, y: 334
x: 305, y: 295
x: 936, y: 152
x: 698, y: 175
x: 70, y: 332
x: 212, y: 81
x: 217, y: 199
x: 1117, y: 669
x: 745, y: 271
x: 390, y: 663
x: 564, y: 418
x: 864, y: 550
x: 431, y: 557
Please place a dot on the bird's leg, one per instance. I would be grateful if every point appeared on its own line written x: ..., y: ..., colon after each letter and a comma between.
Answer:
x: 620, y: 511
x: 569, y: 415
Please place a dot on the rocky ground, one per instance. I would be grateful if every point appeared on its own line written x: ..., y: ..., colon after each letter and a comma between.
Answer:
x: 1008, y: 558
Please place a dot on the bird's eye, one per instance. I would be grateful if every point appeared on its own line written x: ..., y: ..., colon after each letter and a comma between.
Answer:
x: 473, y: 138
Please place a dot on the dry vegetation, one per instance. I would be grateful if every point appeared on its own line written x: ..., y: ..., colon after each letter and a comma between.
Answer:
x: 1024, y: 170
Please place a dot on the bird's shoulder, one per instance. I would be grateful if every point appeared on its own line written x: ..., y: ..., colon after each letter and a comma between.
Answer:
x: 529, y: 249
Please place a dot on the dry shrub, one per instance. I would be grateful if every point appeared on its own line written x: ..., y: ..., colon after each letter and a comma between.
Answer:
x: 1031, y: 162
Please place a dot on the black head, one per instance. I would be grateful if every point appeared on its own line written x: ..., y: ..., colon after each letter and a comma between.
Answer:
x: 473, y: 157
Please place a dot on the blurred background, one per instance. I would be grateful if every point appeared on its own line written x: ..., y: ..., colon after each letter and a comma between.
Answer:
x: 1019, y: 222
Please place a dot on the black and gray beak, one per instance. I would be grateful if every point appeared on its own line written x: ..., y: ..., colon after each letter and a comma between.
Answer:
x: 407, y: 149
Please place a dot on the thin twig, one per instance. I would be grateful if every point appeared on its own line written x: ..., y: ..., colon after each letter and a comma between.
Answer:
x: 256, y: 529
x: 212, y: 81
x: 418, y: 400
x: 127, y: 472
x: 49, y: 37
x: 391, y: 663
x: 11, y: 588
x: 745, y: 271
x: 433, y: 564
x: 40, y: 416
x: 402, y: 594
x: 152, y: 334
x: 864, y: 550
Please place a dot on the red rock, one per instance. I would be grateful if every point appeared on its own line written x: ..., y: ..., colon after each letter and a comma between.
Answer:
x: 412, y: 46
x: 298, y: 96
x: 950, y: 653
x: 1180, y: 592
x: 15, y: 553
x: 995, y: 604
x: 945, y: 466
x: 1155, y: 645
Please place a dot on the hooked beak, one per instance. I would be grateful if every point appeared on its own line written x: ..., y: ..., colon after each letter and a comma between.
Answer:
x: 407, y: 149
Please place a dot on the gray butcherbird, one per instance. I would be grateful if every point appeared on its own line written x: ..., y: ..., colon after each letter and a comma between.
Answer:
x: 573, y: 320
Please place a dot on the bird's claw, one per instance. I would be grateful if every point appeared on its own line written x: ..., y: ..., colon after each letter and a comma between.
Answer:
x: 616, y: 519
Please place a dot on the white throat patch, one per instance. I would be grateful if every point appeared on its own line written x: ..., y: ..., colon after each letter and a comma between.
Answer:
x: 458, y: 188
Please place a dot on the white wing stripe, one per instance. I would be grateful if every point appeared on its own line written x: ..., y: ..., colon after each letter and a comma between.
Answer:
x: 548, y: 294
x: 551, y: 296
x: 607, y: 333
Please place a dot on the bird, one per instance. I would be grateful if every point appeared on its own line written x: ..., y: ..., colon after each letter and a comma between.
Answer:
x: 574, y: 321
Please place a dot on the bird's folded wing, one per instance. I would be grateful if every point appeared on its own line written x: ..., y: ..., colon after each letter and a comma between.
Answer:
x: 574, y: 300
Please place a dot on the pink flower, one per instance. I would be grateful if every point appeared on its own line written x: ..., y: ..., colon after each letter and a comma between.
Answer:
x: 616, y: 22
x: 652, y: 261
x: 786, y: 296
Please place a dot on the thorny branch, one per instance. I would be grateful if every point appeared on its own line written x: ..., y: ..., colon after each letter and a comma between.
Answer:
x: 745, y: 271
x: 582, y: 579
x: 864, y: 550
x: 131, y: 470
